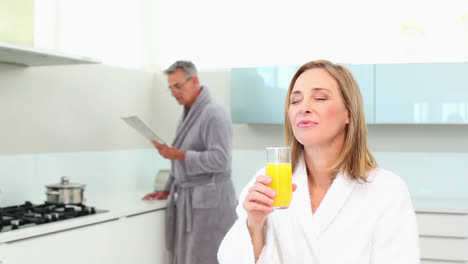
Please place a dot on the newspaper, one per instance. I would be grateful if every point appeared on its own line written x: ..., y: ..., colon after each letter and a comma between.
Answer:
x: 140, y: 126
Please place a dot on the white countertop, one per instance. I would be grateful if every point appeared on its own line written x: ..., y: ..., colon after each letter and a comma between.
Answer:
x: 447, y: 206
x: 123, y: 204
x: 118, y: 205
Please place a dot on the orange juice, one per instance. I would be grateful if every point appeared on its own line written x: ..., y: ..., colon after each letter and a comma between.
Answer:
x: 281, y: 173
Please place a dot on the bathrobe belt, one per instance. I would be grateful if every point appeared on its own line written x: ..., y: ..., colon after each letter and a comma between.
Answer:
x: 182, y: 190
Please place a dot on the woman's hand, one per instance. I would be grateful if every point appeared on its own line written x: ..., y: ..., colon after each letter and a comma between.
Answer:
x: 258, y: 206
x: 258, y: 202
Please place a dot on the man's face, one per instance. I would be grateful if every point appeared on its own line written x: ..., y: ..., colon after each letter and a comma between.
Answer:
x: 182, y: 88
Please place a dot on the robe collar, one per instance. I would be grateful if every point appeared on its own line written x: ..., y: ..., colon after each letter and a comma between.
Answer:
x: 189, y: 116
x: 336, y: 197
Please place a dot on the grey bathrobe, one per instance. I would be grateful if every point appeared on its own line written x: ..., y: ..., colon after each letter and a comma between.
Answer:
x: 202, y: 199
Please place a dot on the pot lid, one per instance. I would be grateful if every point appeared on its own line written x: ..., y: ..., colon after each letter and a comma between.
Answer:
x: 65, y: 183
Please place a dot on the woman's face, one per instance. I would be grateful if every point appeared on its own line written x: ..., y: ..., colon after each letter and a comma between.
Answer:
x: 317, y: 112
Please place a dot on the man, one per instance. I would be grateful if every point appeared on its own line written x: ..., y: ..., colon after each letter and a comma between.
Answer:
x: 202, y: 201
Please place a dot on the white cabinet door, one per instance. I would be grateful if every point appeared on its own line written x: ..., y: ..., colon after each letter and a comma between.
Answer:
x: 443, y: 237
x: 133, y: 239
x: 143, y: 238
x: 90, y: 244
x: 428, y: 93
x: 258, y: 94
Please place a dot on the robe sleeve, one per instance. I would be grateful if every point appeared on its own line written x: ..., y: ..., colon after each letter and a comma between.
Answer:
x: 236, y: 246
x: 396, y: 236
x: 216, y: 132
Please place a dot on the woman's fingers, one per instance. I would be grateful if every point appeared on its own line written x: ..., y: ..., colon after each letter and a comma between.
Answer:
x: 250, y: 206
x: 261, y: 188
x: 259, y: 197
x: 263, y: 179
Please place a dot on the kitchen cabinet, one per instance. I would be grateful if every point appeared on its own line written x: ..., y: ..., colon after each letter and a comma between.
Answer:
x: 258, y: 93
x: 364, y: 74
x: 143, y: 238
x: 428, y: 93
x: 28, y: 56
x: 443, y: 237
x: 136, y: 238
x: 419, y: 93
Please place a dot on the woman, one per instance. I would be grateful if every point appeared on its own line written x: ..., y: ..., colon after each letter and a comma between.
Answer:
x: 345, y: 208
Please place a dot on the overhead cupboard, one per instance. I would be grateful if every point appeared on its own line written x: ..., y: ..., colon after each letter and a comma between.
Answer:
x: 23, y: 55
x: 413, y: 93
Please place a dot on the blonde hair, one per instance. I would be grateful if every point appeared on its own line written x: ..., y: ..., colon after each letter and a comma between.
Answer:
x: 355, y: 159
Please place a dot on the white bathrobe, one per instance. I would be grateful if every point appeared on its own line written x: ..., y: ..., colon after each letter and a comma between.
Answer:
x: 356, y: 223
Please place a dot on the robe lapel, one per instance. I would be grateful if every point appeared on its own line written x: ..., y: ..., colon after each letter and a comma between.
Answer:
x: 335, y: 198
x: 301, y: 200
x: 185, y: 123
x: 302, y: 210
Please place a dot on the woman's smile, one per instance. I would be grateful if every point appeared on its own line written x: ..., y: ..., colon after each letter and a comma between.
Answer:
x: 306, y: 123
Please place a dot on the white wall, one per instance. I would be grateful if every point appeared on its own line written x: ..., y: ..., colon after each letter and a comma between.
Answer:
x: 71, y: 108
x: 65, y: 120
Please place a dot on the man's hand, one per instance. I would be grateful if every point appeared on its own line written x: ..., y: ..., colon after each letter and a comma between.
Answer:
x: 156, y: 196
x: 169, y: 153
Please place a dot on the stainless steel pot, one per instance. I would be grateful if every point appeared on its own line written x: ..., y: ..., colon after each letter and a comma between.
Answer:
x: 65, y: 192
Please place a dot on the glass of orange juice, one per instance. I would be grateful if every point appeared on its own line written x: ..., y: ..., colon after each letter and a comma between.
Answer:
x: 279, y: 168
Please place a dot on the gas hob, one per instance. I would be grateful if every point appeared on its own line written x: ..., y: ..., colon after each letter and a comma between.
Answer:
x: 28, y: 214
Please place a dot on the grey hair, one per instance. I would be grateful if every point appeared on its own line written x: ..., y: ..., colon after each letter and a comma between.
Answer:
x: 187, y: 66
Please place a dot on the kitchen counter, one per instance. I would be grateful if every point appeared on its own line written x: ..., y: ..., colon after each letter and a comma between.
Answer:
x: 447, y: 206
x: 118, y: 205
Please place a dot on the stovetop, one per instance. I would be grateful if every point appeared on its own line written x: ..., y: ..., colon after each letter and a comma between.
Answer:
x: 28, y: 214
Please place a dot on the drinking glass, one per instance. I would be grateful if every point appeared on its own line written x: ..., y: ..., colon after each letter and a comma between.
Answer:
x: 279, y: 168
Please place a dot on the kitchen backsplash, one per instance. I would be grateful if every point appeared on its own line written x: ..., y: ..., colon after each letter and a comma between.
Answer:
x: 22, y: 177
x: 428, y: 174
